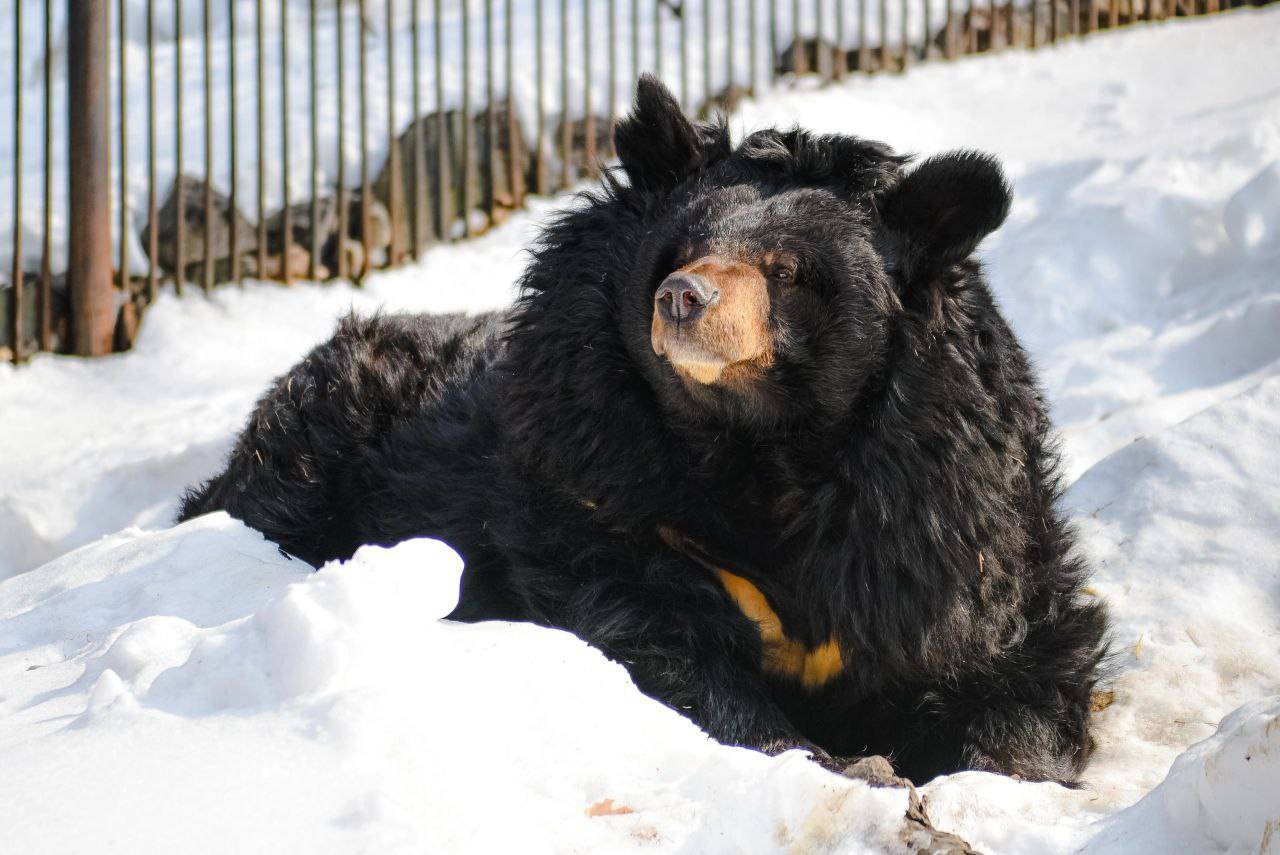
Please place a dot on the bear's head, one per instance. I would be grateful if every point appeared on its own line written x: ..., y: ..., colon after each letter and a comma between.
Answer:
x: 765, y: 280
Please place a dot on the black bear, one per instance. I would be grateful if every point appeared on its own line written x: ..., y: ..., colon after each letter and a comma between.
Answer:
x: 755, y: 429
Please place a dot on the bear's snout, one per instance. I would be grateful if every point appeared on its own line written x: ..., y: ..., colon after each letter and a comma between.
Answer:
x: 684, y: 297
x: 711, y: 317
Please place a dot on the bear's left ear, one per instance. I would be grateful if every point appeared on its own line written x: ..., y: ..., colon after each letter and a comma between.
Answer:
x: 658, y: 146
x: 939, y: 212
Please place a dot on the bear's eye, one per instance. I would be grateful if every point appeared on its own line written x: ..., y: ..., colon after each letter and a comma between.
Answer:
x: 784, y: 275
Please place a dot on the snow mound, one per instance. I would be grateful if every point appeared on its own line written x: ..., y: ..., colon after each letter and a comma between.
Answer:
x: 1220, y: 795
x: 331, y: 710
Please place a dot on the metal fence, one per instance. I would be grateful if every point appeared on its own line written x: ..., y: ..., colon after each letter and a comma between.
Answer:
x: 478, y: 104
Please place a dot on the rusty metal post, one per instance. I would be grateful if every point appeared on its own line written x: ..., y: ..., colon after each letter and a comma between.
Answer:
x: 490, y: 121
x: 540, y: 111
x: 208, y: 156
x: 753, y: 37
x: 260, y: 152
x: 566, y: 130
x: 344, y: 213
x: 122, y: 70
x: 89, y: 174
x: 515, y: 157
x: 773, y: 43
x: 798, y: 64
x: 708, y: 85
x: 657, y: 38
x: 313, y: 71
x: 395, y: 195
x: 417, y: 211
x: 468, y: 147
x: 179, y: 191
x: 589, y: 120
x: 286, y: 230
x: 841, y: 57
x: 730, y: 69
x: 362, y: 65
x: 613, y: 74
x: 684, y: 55
x: 15, y: 285
x: 46, y: 250
x: 233, y: 132
x: 444, y: 196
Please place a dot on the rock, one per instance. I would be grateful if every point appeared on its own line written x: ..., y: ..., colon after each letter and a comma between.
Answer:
x: 193, y: 219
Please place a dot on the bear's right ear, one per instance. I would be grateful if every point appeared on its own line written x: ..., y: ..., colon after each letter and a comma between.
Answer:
x: 657, y: 145
x: 943, y: 208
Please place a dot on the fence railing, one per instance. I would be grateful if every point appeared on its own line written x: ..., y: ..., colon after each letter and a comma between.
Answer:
x: 182, y: 142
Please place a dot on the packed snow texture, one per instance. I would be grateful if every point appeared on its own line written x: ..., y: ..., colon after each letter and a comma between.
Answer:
x: 192, y: 688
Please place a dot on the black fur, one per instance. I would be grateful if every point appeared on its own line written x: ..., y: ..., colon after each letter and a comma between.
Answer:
x: 891, y: 483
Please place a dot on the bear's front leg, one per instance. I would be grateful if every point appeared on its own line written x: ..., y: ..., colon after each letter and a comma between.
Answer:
x: 681, y: 640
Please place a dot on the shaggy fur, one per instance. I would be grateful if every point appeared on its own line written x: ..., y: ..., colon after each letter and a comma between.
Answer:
x: 889, y: 483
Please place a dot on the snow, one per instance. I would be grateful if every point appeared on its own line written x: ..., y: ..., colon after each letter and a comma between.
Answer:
x: 192, y: 687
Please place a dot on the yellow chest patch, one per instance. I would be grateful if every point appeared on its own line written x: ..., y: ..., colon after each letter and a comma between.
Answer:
x: 784, y: 656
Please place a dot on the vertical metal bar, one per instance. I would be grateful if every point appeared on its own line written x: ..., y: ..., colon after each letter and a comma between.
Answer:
x: 612, y: 115
x: 657, y: 38
x: 16, y: 307
x: 313, y: 69
x: 490, y: 119
x: 468, y: 147
x: 884, y: 35
x: 906, y: 35
x: 1053, y: 21
x: 684, y: 55
x: 417, y: 210
x: 540, y: 107
x: 515, y: 162
x: 444, y: 196
x: 179, y: 190
x: 285, y: 150
x: 122, y: 72
x: 366, y: 223
x: 1034, y: 35
x: 708, y: 85
x: 46, y: 251
x: 566, y: 130
x: 774, y: 64
x: 864, y: 50
x: 208, y: 149
x: 948, y: 32
x: 233, y: 132
x: 841, y: 54
x: 588, y: 119
x: 1094, y: 15
x: 344, y: 226
x: 395, y: 196
x: 821, y: 56
x: 799, y: 62
x: 997, y: 25
x: 261, y: 149
x: 1074, y: 11
x: 730, y: 26
x: 635, y: 40
x: 89, y: 177
x: 753, y: 39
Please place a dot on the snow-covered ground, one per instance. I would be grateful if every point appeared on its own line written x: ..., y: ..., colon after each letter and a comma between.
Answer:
x: 189, y: 687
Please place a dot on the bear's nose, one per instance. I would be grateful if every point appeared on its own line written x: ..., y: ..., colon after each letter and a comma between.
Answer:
x: 684, y: 296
